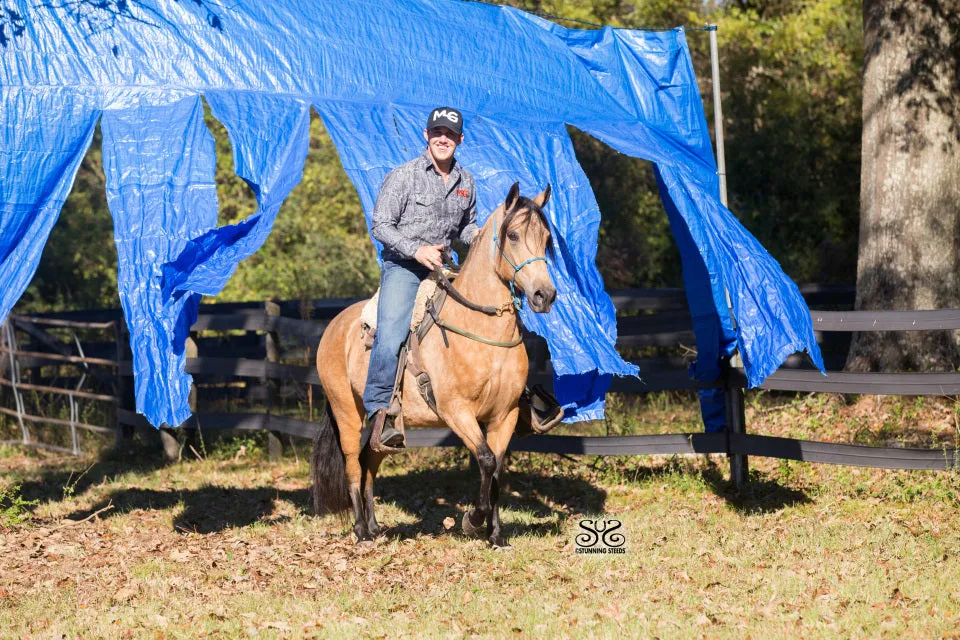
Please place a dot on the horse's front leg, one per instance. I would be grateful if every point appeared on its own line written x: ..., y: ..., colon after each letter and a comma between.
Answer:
x: 474, y: 519
x: 464, y: 423
x: 498, y: 438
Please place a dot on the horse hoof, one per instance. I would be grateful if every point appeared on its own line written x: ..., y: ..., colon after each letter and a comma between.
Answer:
x: 366, y: 544
x: 499, y: 544
x: 468, y: 529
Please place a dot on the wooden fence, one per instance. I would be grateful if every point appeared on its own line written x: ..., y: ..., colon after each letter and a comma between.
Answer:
x: 265, y: 333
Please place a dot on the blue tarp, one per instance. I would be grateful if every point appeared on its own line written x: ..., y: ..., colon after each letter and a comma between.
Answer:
x: 372, y: 70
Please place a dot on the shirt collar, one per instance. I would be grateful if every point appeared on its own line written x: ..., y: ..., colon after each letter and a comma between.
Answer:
x: 426, y: 163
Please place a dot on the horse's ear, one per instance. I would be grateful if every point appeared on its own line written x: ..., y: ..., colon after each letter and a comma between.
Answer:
x: 542, y: 199
x: 512, y: 196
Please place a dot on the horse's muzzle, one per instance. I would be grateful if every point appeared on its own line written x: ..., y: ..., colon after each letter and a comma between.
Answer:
x: 542, y: 299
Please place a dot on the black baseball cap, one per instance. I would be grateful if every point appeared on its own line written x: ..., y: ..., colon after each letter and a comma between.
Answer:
x: 446, y: 117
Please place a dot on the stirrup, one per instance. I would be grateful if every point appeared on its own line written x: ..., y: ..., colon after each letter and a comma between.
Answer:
x: 377, y: 423
x: 539, y: 412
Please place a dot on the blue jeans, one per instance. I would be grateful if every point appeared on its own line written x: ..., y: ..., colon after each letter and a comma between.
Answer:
x: 399, y: 282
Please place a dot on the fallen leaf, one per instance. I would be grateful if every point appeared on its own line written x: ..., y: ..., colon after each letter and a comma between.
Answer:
x: 449, y: 523
x: 613, y: 612
x: 180, y: 556
x: 126, y: 593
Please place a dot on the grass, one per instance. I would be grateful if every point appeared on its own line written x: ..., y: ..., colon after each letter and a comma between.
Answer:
x: 14, y: 510
x: 225, y: 546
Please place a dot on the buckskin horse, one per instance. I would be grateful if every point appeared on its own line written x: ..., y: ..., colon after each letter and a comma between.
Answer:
x: 475, y: 359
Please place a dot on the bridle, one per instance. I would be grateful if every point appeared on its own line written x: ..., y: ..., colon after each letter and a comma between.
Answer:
x: 517, y: 303
x: 515, y: 300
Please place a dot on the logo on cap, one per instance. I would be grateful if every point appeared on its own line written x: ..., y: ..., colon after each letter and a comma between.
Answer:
x: 452, y: 116
x: 446, y: 117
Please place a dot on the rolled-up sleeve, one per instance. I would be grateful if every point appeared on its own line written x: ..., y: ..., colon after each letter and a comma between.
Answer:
x: 391, y: 203
x: 468, y: 225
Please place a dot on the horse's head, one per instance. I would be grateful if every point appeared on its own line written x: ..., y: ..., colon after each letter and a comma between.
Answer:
x: 523, y: 240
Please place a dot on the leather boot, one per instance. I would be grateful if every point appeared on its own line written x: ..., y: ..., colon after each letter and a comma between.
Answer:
x: 384, y: 437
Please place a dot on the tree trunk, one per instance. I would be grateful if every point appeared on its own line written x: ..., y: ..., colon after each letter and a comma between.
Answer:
x: 910, y: 179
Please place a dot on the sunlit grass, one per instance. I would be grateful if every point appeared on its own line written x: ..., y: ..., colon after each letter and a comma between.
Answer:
x: 226, y: 547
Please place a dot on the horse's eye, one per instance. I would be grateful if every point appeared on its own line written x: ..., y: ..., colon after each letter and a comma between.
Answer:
x: 514, y: 236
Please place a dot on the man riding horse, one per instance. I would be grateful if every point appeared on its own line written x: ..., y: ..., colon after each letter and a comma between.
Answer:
x: 422, y: 207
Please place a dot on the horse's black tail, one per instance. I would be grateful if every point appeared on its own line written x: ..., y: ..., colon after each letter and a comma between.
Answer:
x: 329, y: 490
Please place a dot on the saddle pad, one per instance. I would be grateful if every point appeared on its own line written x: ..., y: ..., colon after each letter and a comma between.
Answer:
x: 368, y: 317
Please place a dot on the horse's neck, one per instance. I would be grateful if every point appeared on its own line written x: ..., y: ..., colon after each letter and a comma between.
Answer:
x: 479, y: 283
x: 478, y: 280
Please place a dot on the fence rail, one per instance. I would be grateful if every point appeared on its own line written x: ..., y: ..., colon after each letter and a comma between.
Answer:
x: 13, y: 360
x: 667, y: 325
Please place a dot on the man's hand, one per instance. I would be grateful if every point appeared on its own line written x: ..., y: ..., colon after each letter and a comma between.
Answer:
x: 429, y: 256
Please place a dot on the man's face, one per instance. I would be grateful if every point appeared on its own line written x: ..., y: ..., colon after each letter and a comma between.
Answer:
x: 442, y: 142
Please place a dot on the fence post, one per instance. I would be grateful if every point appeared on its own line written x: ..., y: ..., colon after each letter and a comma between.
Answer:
x: 195, y: 436
x: 274, y: 441
x: 123, y: 385
x: 168, y: 436
x: 4, y: 361
x: 171, y: 447
x: 736, y: 424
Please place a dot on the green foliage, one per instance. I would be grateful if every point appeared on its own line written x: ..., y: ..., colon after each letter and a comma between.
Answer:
x: 791, y: 100
x: 319, y: 247
x: 235, y: 446
x: 14, y: 509
x: 70, y: 486
x: 79, y: 264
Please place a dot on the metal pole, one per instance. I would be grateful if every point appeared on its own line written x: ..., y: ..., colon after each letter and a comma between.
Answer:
x: 718, y: 113
x: 736, y: 422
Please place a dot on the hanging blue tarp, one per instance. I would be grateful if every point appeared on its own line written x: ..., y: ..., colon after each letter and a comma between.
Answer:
x: 372, y: 70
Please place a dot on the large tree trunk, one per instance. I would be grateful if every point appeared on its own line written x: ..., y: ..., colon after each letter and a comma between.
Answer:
x: 910, y: 179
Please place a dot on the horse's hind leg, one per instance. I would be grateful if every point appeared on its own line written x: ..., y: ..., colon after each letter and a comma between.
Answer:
x: 370, y: 463
x: 348, y: 417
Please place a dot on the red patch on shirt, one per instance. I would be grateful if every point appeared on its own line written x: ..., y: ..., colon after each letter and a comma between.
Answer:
x: 463, y: 192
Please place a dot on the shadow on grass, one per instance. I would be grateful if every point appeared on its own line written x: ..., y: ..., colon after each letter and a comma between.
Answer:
x: 433, y: 495
x: 429, y: 495
x: 758, y: 495
x: 139, y: 455
x: 205, y: 510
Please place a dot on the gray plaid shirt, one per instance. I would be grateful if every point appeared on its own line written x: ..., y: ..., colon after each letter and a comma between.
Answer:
x: 415, y: 208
